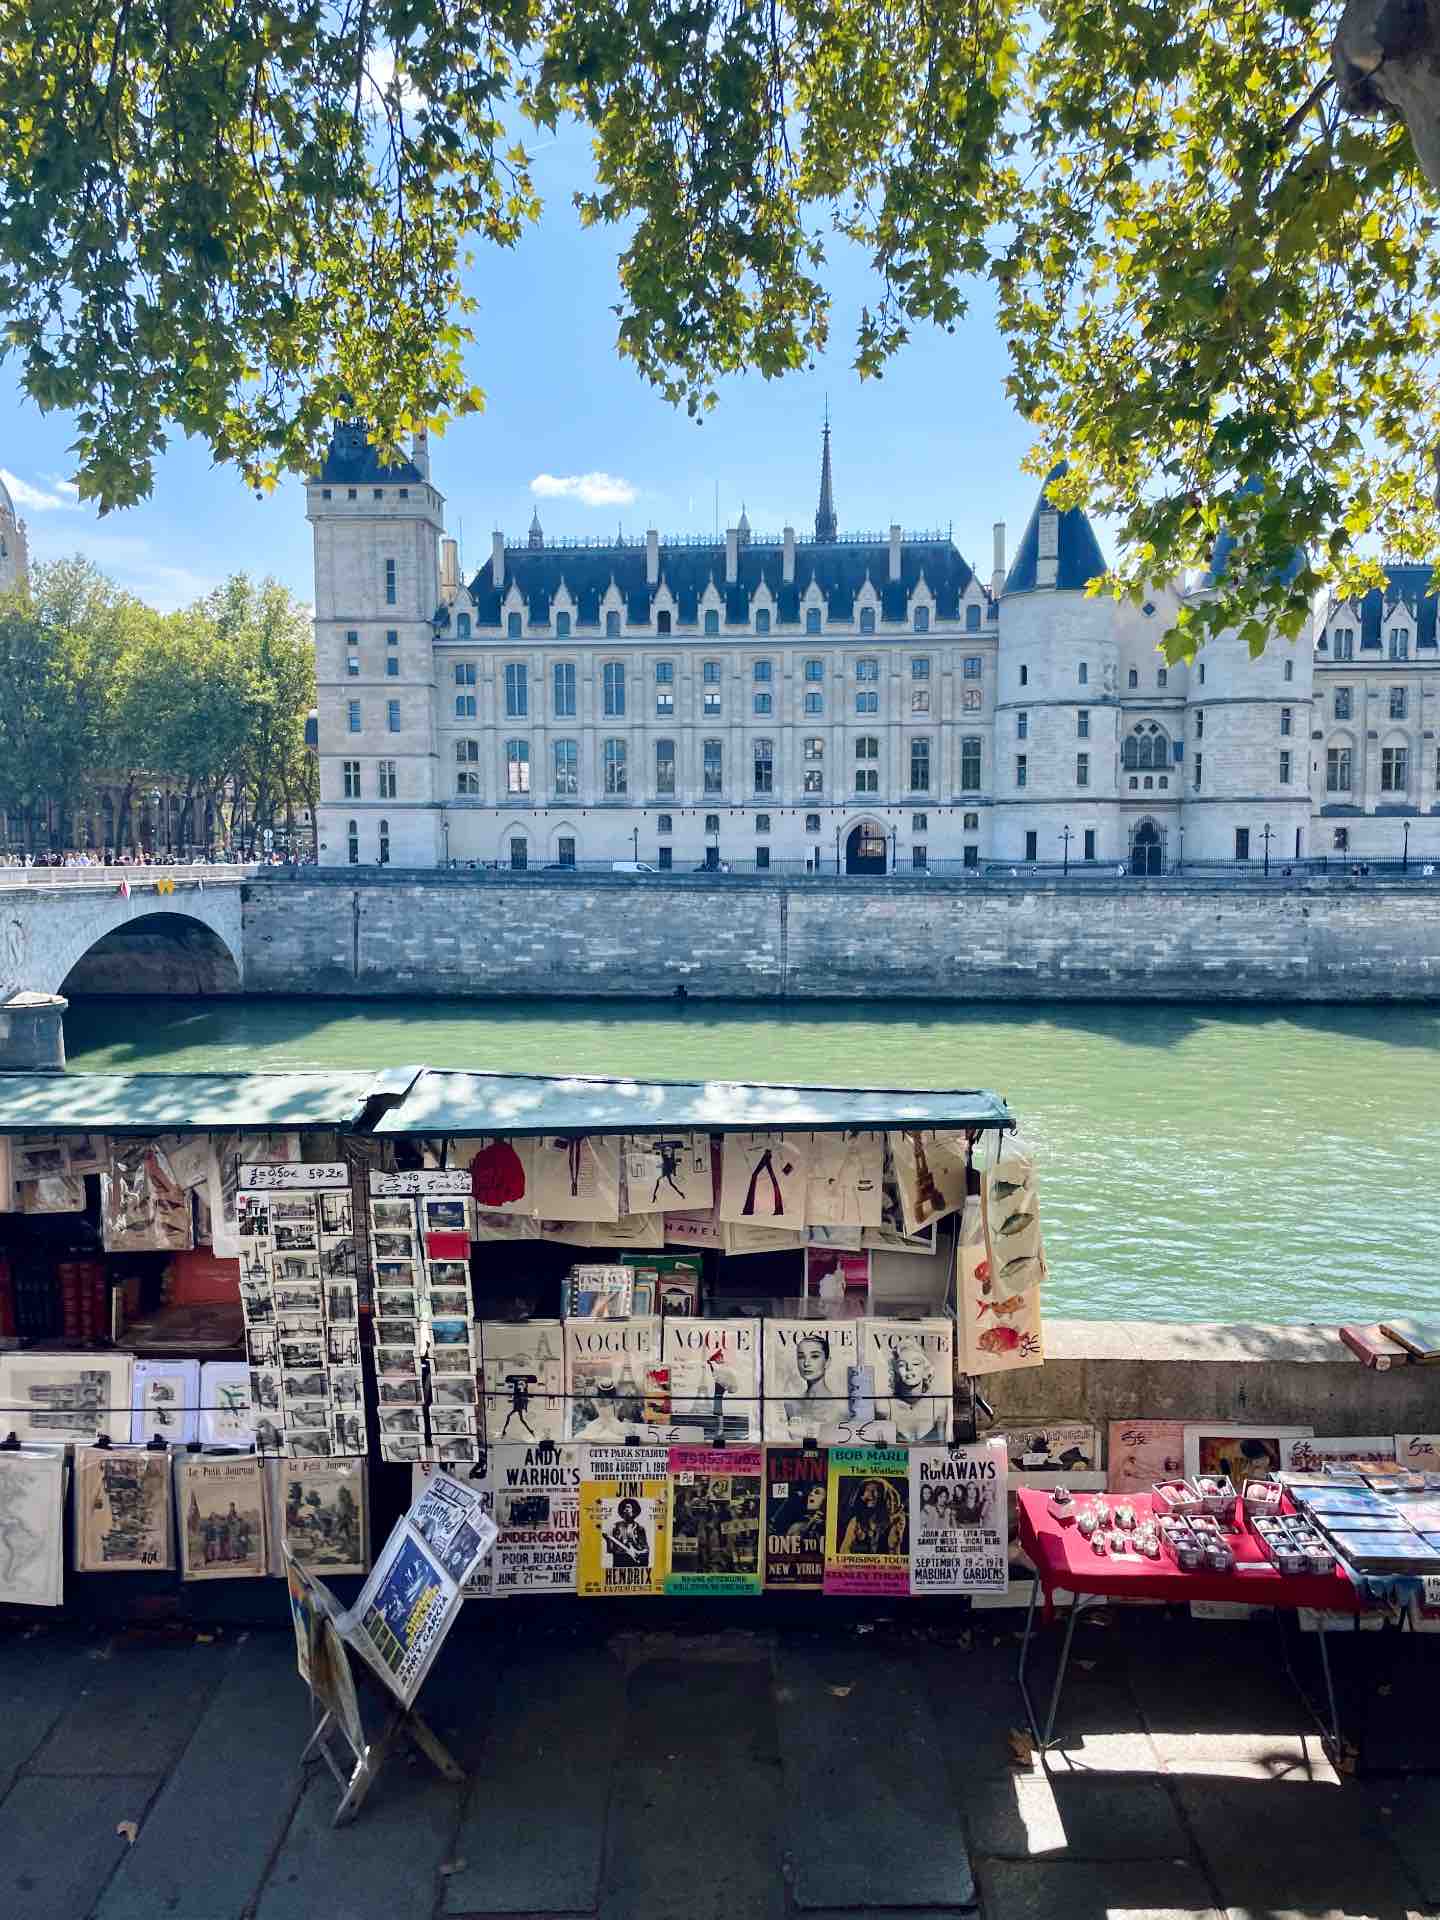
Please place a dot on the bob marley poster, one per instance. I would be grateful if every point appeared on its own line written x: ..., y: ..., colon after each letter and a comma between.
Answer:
x: 867, y: 1527
x: 624, y: 1521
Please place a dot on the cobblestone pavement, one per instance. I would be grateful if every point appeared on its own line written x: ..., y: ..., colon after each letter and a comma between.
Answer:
x: 638, y: 1775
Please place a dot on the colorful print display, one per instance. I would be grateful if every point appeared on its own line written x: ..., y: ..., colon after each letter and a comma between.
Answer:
x: 420, y: 1263
x: 302, y: 1325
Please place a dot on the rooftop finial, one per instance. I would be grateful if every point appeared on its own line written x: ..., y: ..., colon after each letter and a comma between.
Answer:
x: 826, y: 528
x: 537, y: 532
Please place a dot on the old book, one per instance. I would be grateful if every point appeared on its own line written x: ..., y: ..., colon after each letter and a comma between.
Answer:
x: 122, y: 1511
x: 1373, y: 1349
x: 1420, y: 1338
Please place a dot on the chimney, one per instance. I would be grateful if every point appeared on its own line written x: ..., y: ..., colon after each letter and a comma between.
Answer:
x: 449, y: 568
x: 787, y: 572
x: 894, y: 553
x: 652, y: 558
x: 997, y: 576
x: 497, y: 559
x: 420, y: 452
x: 732, y: 555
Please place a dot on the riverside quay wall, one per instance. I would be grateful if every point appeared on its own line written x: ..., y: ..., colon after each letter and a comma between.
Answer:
x: 728, y: 936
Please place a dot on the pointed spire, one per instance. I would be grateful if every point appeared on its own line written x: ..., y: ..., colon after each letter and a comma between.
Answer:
x: 537, y: 532
x: 825, y: 524
x: 743, y: 529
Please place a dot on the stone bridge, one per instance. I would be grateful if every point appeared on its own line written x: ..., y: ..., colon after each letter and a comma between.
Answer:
x: 121, y: 930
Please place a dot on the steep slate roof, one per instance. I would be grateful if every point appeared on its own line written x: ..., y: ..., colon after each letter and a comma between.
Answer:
x: 1225, y: 545
x: 839, y: 570
x: 1410, y: 584
x: 1078, y: 560
x: 353, y: 461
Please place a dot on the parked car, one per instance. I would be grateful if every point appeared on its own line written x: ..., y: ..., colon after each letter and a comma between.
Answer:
x: 632, y: 866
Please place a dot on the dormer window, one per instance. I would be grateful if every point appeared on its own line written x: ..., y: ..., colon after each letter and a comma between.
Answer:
x: 712, y: 621
x: 462, y: 625
x: 562, y: 626
x: 762, y: 620
x: 812, y: 620
x: 512, y: 626
x: 921, y: 620
x: 662, y: 622
x: 867, y: 620
x: 612, y: 625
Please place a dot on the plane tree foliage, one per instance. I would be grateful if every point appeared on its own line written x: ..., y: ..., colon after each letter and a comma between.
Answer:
x: 1208, y: 230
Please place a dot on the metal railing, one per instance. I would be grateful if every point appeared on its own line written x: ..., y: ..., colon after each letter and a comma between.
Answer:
x: 108, y: 878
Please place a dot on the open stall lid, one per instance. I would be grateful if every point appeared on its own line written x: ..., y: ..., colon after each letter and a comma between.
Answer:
x: 151, y: 1103
x: 472, y: 1103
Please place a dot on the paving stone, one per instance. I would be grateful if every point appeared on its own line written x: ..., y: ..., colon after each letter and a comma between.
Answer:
x: 58, y: 1843
x: 1408, y: 1813
x: 1102, y: 1818
x: 244, y: 1758
x: 1087, y: 1890
x: 534, y: 1826
x: 1287, y: 1847
x: 134, y: 1710
x: 692, y: 1821
x: 866, y: 1813
x: 1246, y: 1709
x: 385, y: 1862
x: 36, y: 1675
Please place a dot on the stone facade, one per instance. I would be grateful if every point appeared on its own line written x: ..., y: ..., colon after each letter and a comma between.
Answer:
x: 808, y: 704
x: 100, y: 941
x: 14, y: 548
x: 735, y: 936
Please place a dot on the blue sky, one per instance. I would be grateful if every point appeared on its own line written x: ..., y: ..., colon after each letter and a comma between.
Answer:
x: 934, y: 442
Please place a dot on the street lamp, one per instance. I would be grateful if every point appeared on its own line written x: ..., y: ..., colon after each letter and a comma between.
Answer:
x: 837, y: 850
x: 1405, y: 856
x: 635, y: 837
x: 1067, y: 837
x: 894, y: 856
x: 1181, y: 862
x: 1266, y: 836
x: 154, y: 821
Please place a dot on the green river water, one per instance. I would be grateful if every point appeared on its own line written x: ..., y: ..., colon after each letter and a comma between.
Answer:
x: 1266, y: 1164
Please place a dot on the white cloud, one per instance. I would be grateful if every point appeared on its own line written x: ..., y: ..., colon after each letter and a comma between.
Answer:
x: 380, y: 70
x: 35, y: 498
x: 67, y: 487
x: 590, y: 489
x: 136, y: 565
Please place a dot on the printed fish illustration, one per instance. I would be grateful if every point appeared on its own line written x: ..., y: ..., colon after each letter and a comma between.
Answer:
x: 1016, y: 1222
x: 1007, y: 1340
x: 984, y: 1275
x: 1012, y: 1268
x: 1003, y: 1308
x: 1002, y: 1189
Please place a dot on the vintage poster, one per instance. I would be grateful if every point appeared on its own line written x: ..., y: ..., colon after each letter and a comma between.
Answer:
x: 867, y: 1527
x: 796, y: 1498
x: 1140, y: 1452
x: 912, y: 1367
x: 1309, y: 1455
x: 717, y: 1500
x: 221, y: 1504
x: 630, y: 1230
x: 843, y: 1179
x: 320, y: 1653
x: 738, y: 1240
x: 522, y: 1370
x: 537, y: 1509
x: 1054, y: 1448
x: 32, y: 1520
x: 1244, y: 1453
x: 501, y: 1173
x: 666, y: 1172
x: 166, y: 1402
x: 762, y: 1180
x: 1418, y: 1450
x: 122, y: 1511
x: 699, y: 1226
x: 1011, y: 1205
x: 809, y: 1366
x: 624, y: 1521
x: 699, y: 1358
x: 834, y: 1273
x: 958, y: 1530
x: 143, y: 1208
x: 324, y: 1514
x: 929, y: 1171
x: 606, y: 1362
x: 576, y: 1177
x: 51, y: 1397
x: 406, y: 1607
x: 479, y: 1583
x: 999, y: 1329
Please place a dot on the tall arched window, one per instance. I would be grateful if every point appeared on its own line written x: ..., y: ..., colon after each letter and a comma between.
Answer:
x: 384, y: 843
x: 517, y: 767
x: 352, y: 835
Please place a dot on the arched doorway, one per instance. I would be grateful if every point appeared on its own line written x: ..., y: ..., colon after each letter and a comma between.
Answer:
x: 1147, y: 850
x: 865, y: 849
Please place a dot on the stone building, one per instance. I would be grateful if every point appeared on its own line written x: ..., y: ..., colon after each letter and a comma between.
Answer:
x: 14, y: 549
x: 825, y: 702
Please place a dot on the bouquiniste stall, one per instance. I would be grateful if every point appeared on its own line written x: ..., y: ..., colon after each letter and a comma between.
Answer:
x: 684, y: 1337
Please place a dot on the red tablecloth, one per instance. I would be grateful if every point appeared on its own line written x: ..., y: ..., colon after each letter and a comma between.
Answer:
x: 1065, y: 1560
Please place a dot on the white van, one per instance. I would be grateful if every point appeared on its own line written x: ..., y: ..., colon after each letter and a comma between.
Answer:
x: 632, y: 866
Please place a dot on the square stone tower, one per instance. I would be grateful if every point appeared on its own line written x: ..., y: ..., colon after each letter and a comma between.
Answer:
x: 377, y: 533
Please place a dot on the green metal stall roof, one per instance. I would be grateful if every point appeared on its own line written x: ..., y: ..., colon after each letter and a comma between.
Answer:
x: 188, y: 1102
x: 468, y: 1103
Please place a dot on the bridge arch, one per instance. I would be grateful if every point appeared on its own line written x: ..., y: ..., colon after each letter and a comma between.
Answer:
x: 154, y: 952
